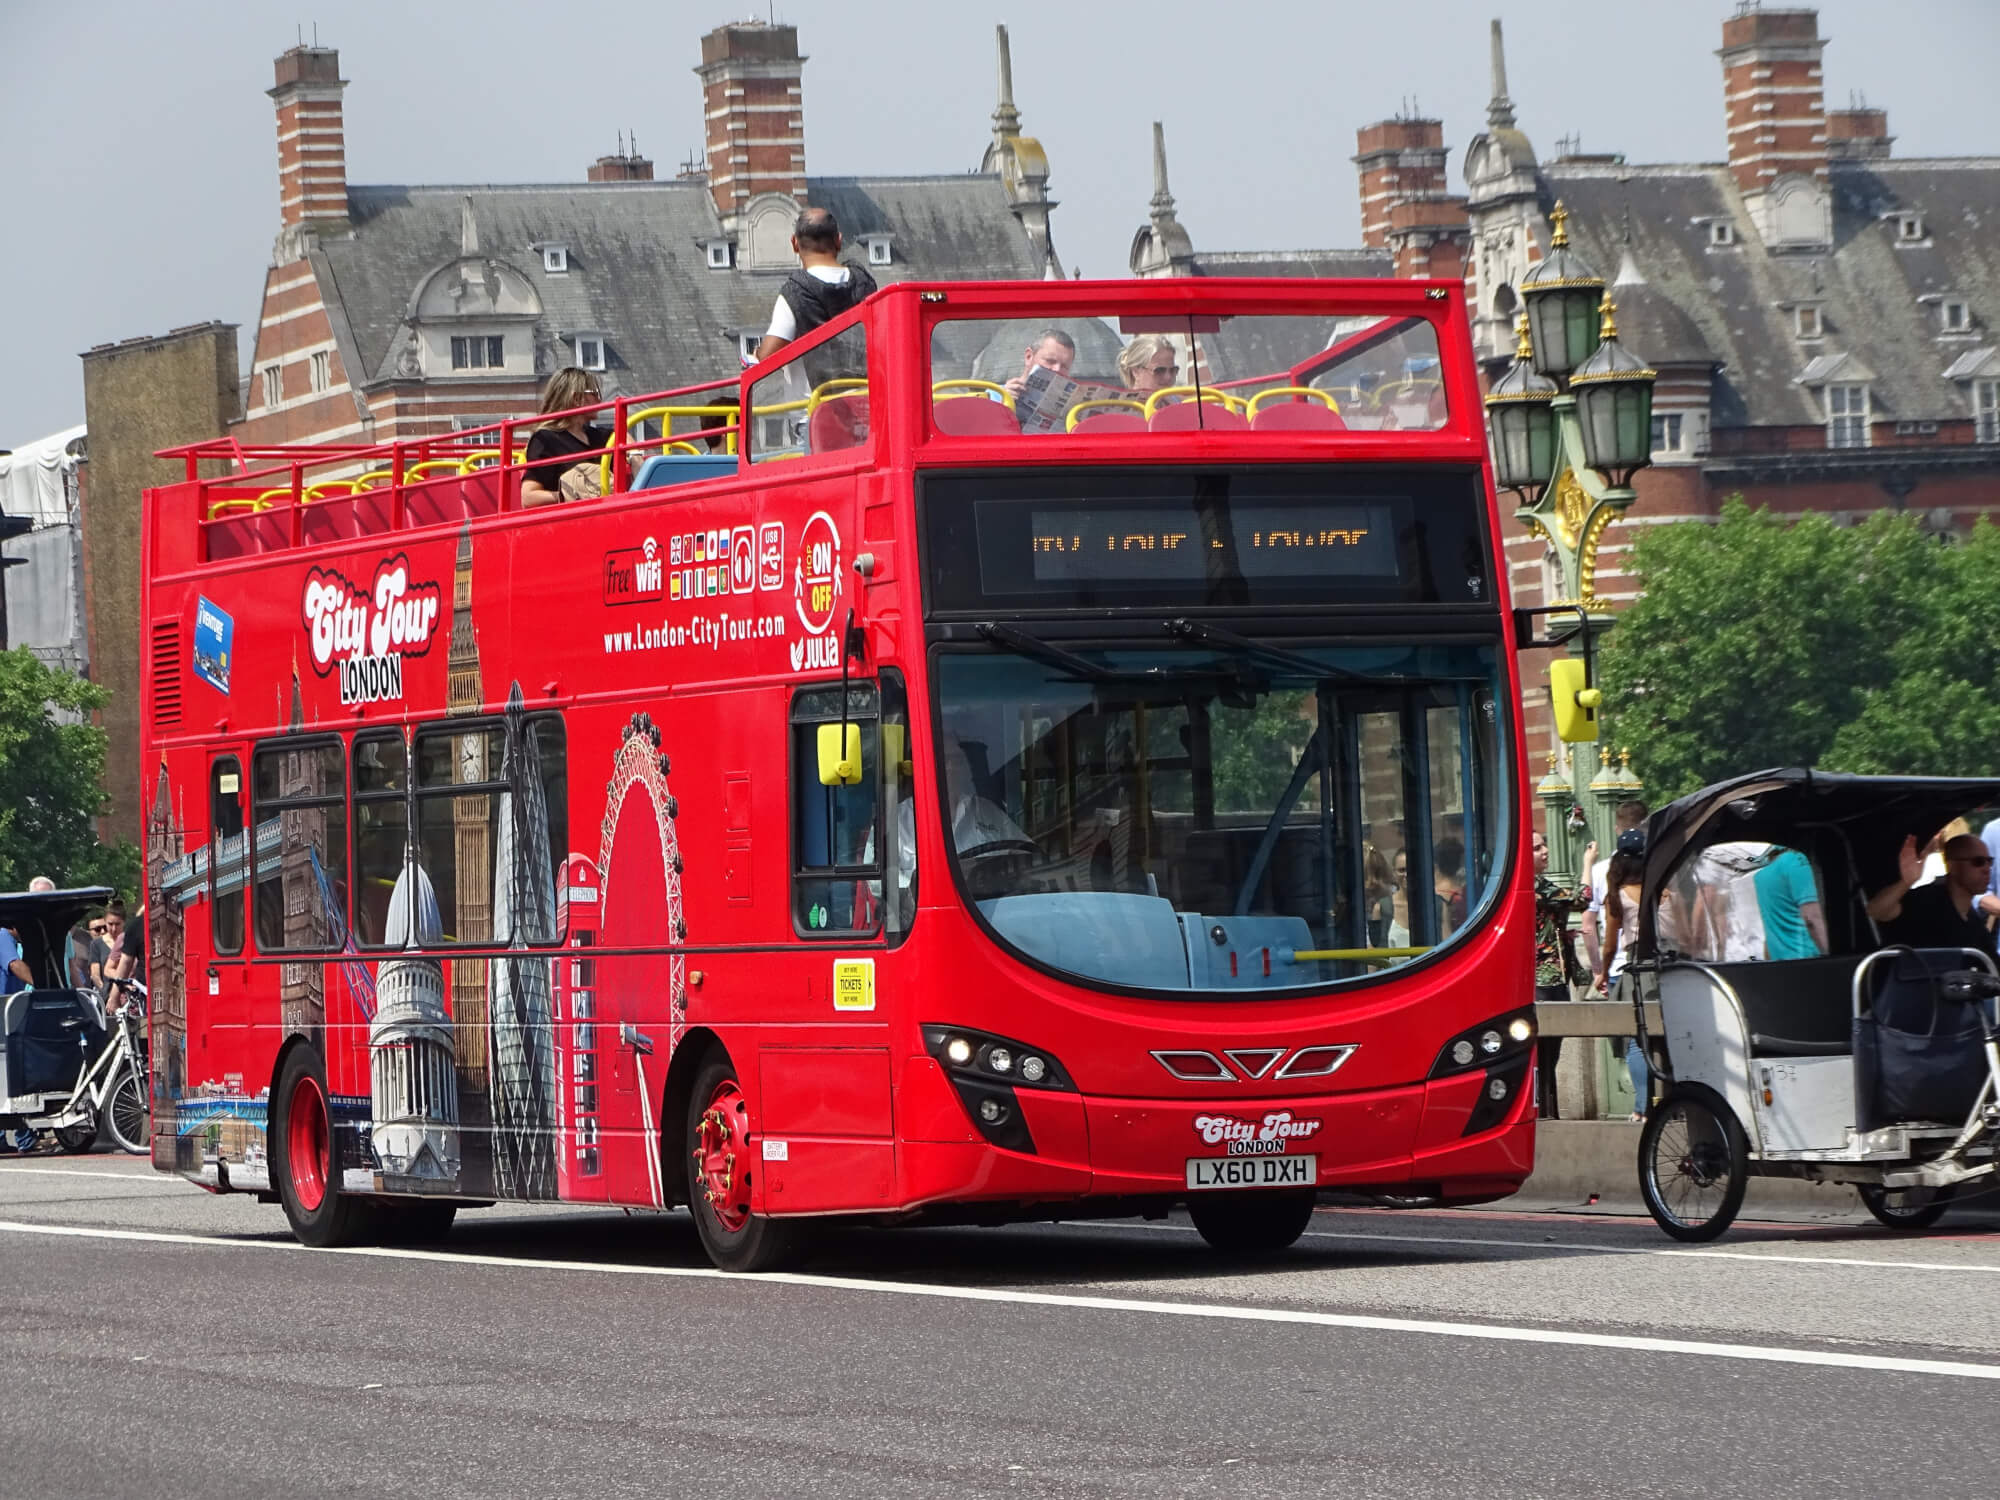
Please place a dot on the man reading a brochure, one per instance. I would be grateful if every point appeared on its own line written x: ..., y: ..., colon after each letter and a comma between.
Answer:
x: 1043, y: 391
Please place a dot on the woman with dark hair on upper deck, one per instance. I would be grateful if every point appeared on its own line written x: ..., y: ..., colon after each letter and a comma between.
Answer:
x: 552, y: 474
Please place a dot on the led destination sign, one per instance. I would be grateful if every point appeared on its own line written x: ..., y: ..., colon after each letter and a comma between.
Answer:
x: 1223, y: 538
x: 1175, y: 543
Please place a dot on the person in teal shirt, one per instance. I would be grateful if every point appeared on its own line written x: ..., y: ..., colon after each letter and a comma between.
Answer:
x: 1788, y: 901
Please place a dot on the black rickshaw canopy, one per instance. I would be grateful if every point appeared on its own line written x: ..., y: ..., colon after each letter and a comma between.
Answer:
x: 1871, y: 814
x: 43, y: 919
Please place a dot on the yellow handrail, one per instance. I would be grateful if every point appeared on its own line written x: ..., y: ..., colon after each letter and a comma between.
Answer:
x: 373, y: 477
x: 338, y: 488
x: 832, y: 390
x: 1356, y: 955
x: 433, y: 465
x: 666, y: 415
x: 1077, y: 411
x: 968, y: 387
x: 1290, y: 392
x: 261, y: 502
x: 484, y: 458
x: 1203, y: 392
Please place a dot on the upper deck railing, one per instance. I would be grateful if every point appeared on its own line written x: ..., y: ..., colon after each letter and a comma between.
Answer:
x: 1150, y: 371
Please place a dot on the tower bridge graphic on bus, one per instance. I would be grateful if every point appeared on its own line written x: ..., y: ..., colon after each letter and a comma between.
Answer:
x: 1040, y: 719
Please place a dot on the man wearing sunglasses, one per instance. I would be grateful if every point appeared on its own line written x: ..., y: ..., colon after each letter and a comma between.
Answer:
x: 1943, y: 914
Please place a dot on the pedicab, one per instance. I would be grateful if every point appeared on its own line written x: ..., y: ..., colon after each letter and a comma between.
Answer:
x: 1869, y: 1064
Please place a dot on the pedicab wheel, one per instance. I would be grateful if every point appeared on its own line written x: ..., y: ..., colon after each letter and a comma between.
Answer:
x: 125, y: 1112
x: 76, y: 1139
x: 721, y: 1171
x: 301, y: 1152
x: 1693, y: 1163
x: 1905, y: 1208
x: 1252, y: 1223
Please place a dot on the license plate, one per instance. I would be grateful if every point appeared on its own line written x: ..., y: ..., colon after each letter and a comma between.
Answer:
x: 1251, y: 1171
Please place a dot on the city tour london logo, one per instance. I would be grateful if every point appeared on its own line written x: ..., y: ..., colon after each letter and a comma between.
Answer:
x: 1267, y: 1137
x: 367, y: 633
x: 816, y: 593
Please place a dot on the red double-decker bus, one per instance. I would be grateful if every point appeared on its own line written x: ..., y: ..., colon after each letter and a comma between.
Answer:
x: 1027, y: 751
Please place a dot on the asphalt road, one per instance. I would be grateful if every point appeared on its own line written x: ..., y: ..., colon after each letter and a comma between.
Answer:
x: 156, y: 1341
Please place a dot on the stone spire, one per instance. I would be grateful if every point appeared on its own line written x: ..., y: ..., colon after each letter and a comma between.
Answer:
x: 1500, y: 109
x: 1163, y: 200
x: 1006, y: 118
x: 1162, y: 246
x: 468, y: 228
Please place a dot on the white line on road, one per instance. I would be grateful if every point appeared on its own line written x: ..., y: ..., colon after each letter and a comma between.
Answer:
x: 148, y: 1180
x: 1827, y: 1359
x: 1443, y: 1239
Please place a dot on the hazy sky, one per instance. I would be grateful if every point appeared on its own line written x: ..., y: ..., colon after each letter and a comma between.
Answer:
x: 139, y: 164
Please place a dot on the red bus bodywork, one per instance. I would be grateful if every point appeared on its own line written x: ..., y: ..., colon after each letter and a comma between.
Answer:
x: 306, y: 636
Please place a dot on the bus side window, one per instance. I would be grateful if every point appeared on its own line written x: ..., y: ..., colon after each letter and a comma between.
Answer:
x: 226, y: 861
x: 899, y: 852
x: 381, y: 824
x: 836, y: 830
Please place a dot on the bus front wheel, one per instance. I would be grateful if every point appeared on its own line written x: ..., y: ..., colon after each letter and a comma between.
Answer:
x: 721, y: 1168
x: 301, y: 1148
x: 1251, y: 1223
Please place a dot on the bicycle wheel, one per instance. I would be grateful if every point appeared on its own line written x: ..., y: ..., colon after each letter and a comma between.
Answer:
x: 1905, y: 1208
x: 125, y: 1112
x: 1693, y: 1163
x: 76, y: 1139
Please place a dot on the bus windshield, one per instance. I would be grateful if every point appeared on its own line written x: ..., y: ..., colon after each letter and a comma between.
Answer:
x: 1221, y: 814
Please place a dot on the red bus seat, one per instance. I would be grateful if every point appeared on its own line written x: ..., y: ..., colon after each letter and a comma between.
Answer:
x: 241, y: 535
x: 1213, y: 417
x: 480, y: 491
x: 433, y: 502
x: 974, y: 416
x: 1297, y: 416
x: 838, y: 422
x: 1110, y: 420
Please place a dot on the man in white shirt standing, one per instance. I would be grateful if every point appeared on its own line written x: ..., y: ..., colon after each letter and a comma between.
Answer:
x: 820, y: 290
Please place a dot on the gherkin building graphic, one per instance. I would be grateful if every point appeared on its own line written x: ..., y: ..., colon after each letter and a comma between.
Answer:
x: 523, y: 1014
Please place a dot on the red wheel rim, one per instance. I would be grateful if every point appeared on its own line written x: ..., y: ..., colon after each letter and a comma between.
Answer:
x: 722, y: 1157
x: 306, y: 1141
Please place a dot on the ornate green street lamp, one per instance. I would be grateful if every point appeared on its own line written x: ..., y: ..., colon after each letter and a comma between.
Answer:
x: 1561, y: 294
x: 1614, y: 405
x: 1523, y: 421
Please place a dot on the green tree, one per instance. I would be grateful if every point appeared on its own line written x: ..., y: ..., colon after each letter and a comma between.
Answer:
x: 51, y: 762
x: 1759, y: 639
x: 1938, y: 713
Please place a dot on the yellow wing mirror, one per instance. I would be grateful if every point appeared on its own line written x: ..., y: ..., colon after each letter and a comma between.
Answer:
x: 839, y: 765
x: 1574, y: 701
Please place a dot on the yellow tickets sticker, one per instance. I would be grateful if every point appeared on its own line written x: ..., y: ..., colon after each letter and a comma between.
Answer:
x: 854, y: 984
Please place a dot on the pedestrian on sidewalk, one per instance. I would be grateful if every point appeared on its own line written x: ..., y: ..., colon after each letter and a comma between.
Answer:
x: 1557, y: 967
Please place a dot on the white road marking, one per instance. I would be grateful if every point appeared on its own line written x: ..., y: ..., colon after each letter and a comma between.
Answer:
x: 150, y: 1179
x: 1443, y: 1239
x: 1223, y: 1312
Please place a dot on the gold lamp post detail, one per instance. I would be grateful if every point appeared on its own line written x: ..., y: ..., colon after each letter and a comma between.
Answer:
x: 1570, y: 423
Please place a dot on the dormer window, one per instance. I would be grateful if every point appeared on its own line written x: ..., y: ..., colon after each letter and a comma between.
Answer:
x: 555, y: 259
x: 1954, y: 315
x: 589, y: 351
x: 1909, y: 227
x: 1806, y: 321
x: 718, y: 254
x: 478, y: 352
x: 880, y: 249
x: 1986, y: 410
x: 1721, y: 232
x: 1847, y: 416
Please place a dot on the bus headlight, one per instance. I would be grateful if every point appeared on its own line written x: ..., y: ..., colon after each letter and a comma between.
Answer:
x: 1498, y: 1040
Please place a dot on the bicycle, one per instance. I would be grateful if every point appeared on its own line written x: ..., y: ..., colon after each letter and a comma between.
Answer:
x: 112, y: 1089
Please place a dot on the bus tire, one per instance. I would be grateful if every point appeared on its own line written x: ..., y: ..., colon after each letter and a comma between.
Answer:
x: 1252, y: 1223
x: 720, y: 1168
x: 301, y: 1153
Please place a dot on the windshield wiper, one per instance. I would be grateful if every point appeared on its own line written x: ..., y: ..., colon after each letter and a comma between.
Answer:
x: 1007, y: 638
x: 1198, y: 634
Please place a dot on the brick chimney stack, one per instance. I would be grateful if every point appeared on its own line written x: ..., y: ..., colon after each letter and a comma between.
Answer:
x: 1399, y: 160
x: 312, y: 141
x: 627, y: 166
x: 1772, y: 95
x: 754, y: 105
x: 1858, y: 134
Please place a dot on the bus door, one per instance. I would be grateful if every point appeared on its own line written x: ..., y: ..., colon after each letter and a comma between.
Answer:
x: 219, y: 1045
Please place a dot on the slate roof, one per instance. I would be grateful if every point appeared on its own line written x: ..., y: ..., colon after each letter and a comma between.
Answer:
x: 1261, y: 346
x: 637, y: 271
x: 1868, y: 284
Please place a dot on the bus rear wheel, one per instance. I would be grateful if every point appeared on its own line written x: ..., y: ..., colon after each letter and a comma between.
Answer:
x: 721, y: 1161
x: 301, y: 1149
x: 1251, y: 1223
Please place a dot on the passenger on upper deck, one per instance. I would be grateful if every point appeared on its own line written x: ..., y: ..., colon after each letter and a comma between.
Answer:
x: 553, y: 474
x: 820, y: 290
x: 1052, y: 350
x: 1149, y: 363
